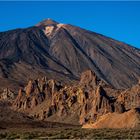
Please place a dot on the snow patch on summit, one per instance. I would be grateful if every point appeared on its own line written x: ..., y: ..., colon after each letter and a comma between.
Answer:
x: 48, y: 30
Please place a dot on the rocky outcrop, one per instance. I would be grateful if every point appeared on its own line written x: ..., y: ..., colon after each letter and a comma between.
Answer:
x: 97, y: 105
x: 130, y: 98
x: 29, y: 88
x: 121, y: 111
x: 85, y: 99
x: 129, y: 119
x: 83, y: 103
x: 89, y: 79
x: 35, y: 93
x: 7, y: 94
x: 102, y: 103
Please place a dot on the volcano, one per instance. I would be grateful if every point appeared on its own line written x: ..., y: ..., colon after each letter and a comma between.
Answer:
x: 62, y: 52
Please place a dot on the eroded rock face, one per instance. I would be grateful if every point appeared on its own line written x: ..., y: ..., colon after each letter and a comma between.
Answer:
x: 89, y: 79
x: 7, y: 94
x: 29, y: 88
x: 130, y: 98
x: 35, y: 92
x: 99, y: 104
x: 81, y: 103
x: 61, y: 101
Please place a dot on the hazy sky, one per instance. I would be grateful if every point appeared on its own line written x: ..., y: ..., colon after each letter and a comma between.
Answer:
x: 119, y: 20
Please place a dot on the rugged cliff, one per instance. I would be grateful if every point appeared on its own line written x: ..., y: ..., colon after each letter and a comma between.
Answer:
x: 82, y: 103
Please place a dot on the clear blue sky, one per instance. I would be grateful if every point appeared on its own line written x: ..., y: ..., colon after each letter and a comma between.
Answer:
x: 119, y: 20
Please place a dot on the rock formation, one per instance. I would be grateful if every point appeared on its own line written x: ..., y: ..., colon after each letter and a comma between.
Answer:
x: 85, y: 103
x: 7, y: 94
x: 129, y: 119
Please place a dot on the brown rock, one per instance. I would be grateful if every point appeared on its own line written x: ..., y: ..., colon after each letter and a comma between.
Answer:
x: 7, y: 94
x: 85, y: 102
x: 129, y: 119
x: 29, y: 88
x: 89, y: 79
x: 34, y: 102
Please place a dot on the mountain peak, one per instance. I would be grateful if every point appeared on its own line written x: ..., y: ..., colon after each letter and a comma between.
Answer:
x: 47, y: 22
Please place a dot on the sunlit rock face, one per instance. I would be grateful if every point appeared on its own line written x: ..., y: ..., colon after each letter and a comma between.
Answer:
x: 88, y: 102
x: 129, y: 119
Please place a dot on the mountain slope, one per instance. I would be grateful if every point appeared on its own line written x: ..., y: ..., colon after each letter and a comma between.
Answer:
x: 62, y: 51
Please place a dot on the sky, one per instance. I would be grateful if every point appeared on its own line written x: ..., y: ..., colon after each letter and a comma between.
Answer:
x: 117, y: 19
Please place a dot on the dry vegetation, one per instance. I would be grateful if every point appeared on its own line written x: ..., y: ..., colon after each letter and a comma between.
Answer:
x: 69, y: 133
